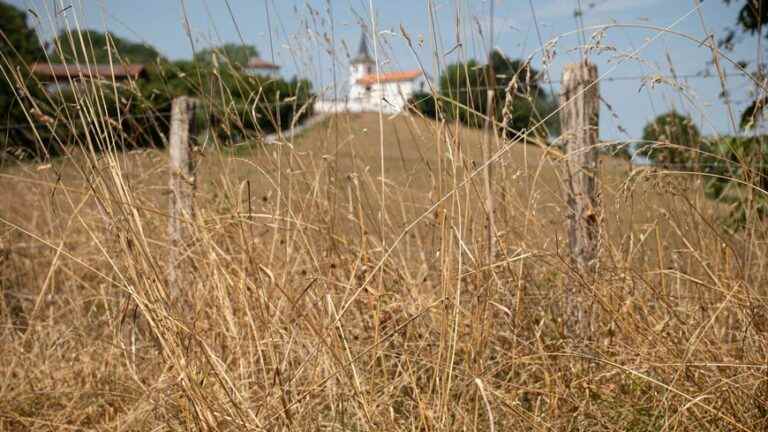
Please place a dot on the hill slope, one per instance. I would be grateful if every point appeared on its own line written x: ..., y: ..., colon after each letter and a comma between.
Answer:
x: 309, y: 297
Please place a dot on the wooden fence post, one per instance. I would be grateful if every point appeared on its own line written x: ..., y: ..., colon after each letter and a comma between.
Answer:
x: 182, y: 185
x: 580, y: 102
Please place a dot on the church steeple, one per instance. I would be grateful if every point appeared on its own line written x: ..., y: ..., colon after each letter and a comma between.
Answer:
x: 363, y: 56
x: 362, y: 64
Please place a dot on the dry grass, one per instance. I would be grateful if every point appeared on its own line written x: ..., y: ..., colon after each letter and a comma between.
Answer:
x: 340, y: 282
x: 302, y: 317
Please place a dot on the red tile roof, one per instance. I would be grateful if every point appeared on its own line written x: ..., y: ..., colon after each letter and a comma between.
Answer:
x: 390, y: 77
x: 257, y: 63
x: 62, y: 71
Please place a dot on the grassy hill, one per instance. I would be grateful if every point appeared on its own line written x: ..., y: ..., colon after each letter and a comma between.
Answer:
x: 318, y: 291
x: 338, y: 165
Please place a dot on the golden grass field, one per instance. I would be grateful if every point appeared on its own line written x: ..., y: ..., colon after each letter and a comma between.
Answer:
x: 320, y: 294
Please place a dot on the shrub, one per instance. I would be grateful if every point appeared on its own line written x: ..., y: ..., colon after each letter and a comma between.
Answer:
x: 137, y: 114
x: 670, y: 139
x: 734, y: 164
x: 466, y: 85
x: 424, y: 103
x: 18, y: 45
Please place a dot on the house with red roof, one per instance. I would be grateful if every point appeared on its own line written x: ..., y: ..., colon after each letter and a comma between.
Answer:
x: 57, y: 77
x: 260, y: 67
x: 371, y: 91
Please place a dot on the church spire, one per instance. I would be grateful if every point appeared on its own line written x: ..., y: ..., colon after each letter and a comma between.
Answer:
x: 362, y: 51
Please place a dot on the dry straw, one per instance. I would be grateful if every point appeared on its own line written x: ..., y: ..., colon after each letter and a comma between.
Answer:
x: 339, y: 279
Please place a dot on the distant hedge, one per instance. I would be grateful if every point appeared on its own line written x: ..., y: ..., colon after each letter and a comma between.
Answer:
x: 37, y: 123
x: 137, y: 114
x: 424, y: 103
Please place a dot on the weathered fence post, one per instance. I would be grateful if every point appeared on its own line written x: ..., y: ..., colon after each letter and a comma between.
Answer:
x: 182, y: 185
x: 580, y: 104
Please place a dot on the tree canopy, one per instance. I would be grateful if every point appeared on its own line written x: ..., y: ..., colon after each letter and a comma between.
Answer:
x: 238, y: 54
x: 17, y: 38
x: 752, y: 17
x: 250, y: 106
x: 101, y: 47
x: 670, y: 139
x: 18, y: 45
x: 466, y: 85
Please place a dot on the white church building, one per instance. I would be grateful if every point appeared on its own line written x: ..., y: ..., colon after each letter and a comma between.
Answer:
x: 372, y: 92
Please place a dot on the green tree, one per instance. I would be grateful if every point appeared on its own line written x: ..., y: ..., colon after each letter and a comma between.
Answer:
x: 750, y: 20
x: 18, y: 46
x: 466, y: 86
x: 670, y: 139
x: 740, y: 162
x: 235, y: 104
x: 424, y: 103
x: 460, y: 83
x: 734, y: 164
x: 16, y: 38
x: 258, y: 104
x: 99, y: 47
x: 237, y: 54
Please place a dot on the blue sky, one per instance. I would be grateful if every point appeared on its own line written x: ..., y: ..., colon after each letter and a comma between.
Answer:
x: 300, y: 31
